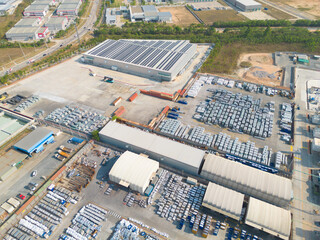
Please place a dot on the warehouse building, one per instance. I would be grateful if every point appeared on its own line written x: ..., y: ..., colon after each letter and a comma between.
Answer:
x: 56, y: 24
x: 148, y: 13
x: 35, y: 141
x: 133, y: 171
x: 247, y: 180
x: 164, y: 150
x: 6, y: 6
x: 156, y: 59
x: 269, y: 218
x: 44, y: 2
x: 36, y: 10
x: 69, y: 8
x: 27, y: 33
x: 223, y: 200
x: 29, y: 22
x: 246, y: 5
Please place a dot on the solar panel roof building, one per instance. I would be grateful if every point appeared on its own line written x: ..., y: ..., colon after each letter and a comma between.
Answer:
x: 156, y: 59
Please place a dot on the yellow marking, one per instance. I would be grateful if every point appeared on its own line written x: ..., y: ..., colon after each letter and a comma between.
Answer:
x: 297, y: 158
x: 291, y: 148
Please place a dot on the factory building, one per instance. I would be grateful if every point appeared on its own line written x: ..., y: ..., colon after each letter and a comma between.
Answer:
x: 6, y: 6
x: 27, y: 33
x: 69, y: 8
x: 164, y: 150
x: 35, y: 141
x: 269, y: 218
x: 223, y: 200
x: 56, y: 24
x: 246, y: 5
x: 156, y: 59
x: 247, y: 180
x: 148, y: 13
x: 36, y: 10
x: 29, y: 22
x: 133, y: 171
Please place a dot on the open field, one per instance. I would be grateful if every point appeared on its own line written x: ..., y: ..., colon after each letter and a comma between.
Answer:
x: 180, y: 15
x: 308, y: 6
x: 276, y: 13
x: 226, y: 60
x: 271, y: 75
x: 11, y: 54
x: 211, y: 16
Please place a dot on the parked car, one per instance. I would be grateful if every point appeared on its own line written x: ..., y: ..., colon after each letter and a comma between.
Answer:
x: 34, y: 173
x: 22, y: 197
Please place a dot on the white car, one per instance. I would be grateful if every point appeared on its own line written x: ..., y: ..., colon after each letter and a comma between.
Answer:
x: 34, y: 173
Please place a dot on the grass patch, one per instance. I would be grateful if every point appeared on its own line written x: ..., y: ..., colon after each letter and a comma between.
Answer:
x: 304, y: 9
x: 7, y: 145
x: 223, y: 3
x: 211, y: 16
x: 225, y: 62
x: 115, y: 3
x: 276, y: 13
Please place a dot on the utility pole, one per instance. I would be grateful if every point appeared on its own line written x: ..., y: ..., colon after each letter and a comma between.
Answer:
x: 21, y: 50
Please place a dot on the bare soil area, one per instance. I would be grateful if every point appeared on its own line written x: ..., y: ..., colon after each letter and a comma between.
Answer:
x: 309, y: 6
x: 180, y: 15
x: 262, y: 70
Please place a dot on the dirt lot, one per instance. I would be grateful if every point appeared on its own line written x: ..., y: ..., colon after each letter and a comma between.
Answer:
x: 212, y: 16
x: 309, y: 6
x: 262, y: 70
x: 180, y: 15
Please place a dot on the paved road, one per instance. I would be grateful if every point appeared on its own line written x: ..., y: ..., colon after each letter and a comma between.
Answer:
x: 82, y: 31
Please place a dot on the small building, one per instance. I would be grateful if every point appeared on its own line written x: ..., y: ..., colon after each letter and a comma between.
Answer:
x: 269, y: 218
x: 315, y: 119
x: 111, y: 19
x: 316, y: 132
x: 36, y: 10
x: 165, y: 17
x: 35, y: 141
x: 69, y: 8
x: 246, y: 5
x: 223, y: 200
x: 148, y: 13
x: 56, y: 24
x: 133, y: 171
x: 28, y: 22
x: 26, y: 33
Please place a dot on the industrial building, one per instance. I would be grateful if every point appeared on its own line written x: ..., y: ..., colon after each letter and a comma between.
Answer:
x: 133, y: 171
x: 69, y: 8
x: 7, y: 6
x: 164, y: 150
x: 27, y: 33
x: 29, y: 22
x: 148, y: 13
x: 246, y: 5
x: 155, y: 59
x: 56, y: 24
x: 111, y: 19
x: 247, y: 180
x: 35, y: 141
x: 269, y: 218
x: 223, y: 200
x: 36, y: 10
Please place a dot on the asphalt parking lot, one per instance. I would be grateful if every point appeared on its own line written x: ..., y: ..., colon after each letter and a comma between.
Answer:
x: 45, y: 163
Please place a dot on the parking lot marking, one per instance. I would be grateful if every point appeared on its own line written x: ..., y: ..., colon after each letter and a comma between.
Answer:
x: 291, y: 148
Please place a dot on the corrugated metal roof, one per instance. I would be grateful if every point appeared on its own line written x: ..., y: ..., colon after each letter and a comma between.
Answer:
x: 134, y: 169
x: 56, y: 20
x: 27, y: 22
x: 246, y: 179
x: 223, y: 200
x: 179, y: 152
x: 149, y: 8
x: 25, y: 30
x: 248, y: 2
x: 270, y: 218
x: 33, y: 139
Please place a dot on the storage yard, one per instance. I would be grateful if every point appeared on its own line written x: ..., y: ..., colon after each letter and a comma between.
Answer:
x: 180, y: 15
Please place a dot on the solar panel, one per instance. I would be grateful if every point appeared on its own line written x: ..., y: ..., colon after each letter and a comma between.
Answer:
x: 172, y: 61
x: 158, y: 44
x: 137, y: 54
x: 172, y: 45
x: 123, y: 54
x: 95, y: 51
x: 157, y: 58
x: 105, y: 51
x: 151, y: 56
x: 185, y: 48
x: 164, y: 61
x: 165, y: 45
x: 143, y: 55
x: 118, y: 50
x: 179, y: 45
x: 133, y: 53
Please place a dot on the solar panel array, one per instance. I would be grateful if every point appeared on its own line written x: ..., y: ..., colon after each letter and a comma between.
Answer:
x: 158, y: 54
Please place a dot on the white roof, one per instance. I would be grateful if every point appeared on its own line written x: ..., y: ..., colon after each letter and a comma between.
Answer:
x: 269, y: 218
x: 249, y: 180
x: 6, y: 206
x: 316, y: 144
x: 248, y: 2
x: 133, y: 169
x: 176, y: 151
x: 14, y: 202
x: 223, y: 200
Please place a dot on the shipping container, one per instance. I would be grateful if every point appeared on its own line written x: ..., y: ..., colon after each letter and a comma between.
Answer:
x: 119, y: 111
x: 133, y: 97
x: 148, y: 191
x: 117, y: 101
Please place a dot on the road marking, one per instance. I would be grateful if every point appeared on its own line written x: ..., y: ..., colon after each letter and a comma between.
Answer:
x: 291, y: 148
x: 298, y: 158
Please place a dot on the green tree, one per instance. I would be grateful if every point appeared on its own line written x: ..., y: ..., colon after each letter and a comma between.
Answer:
x: 95, y: 135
